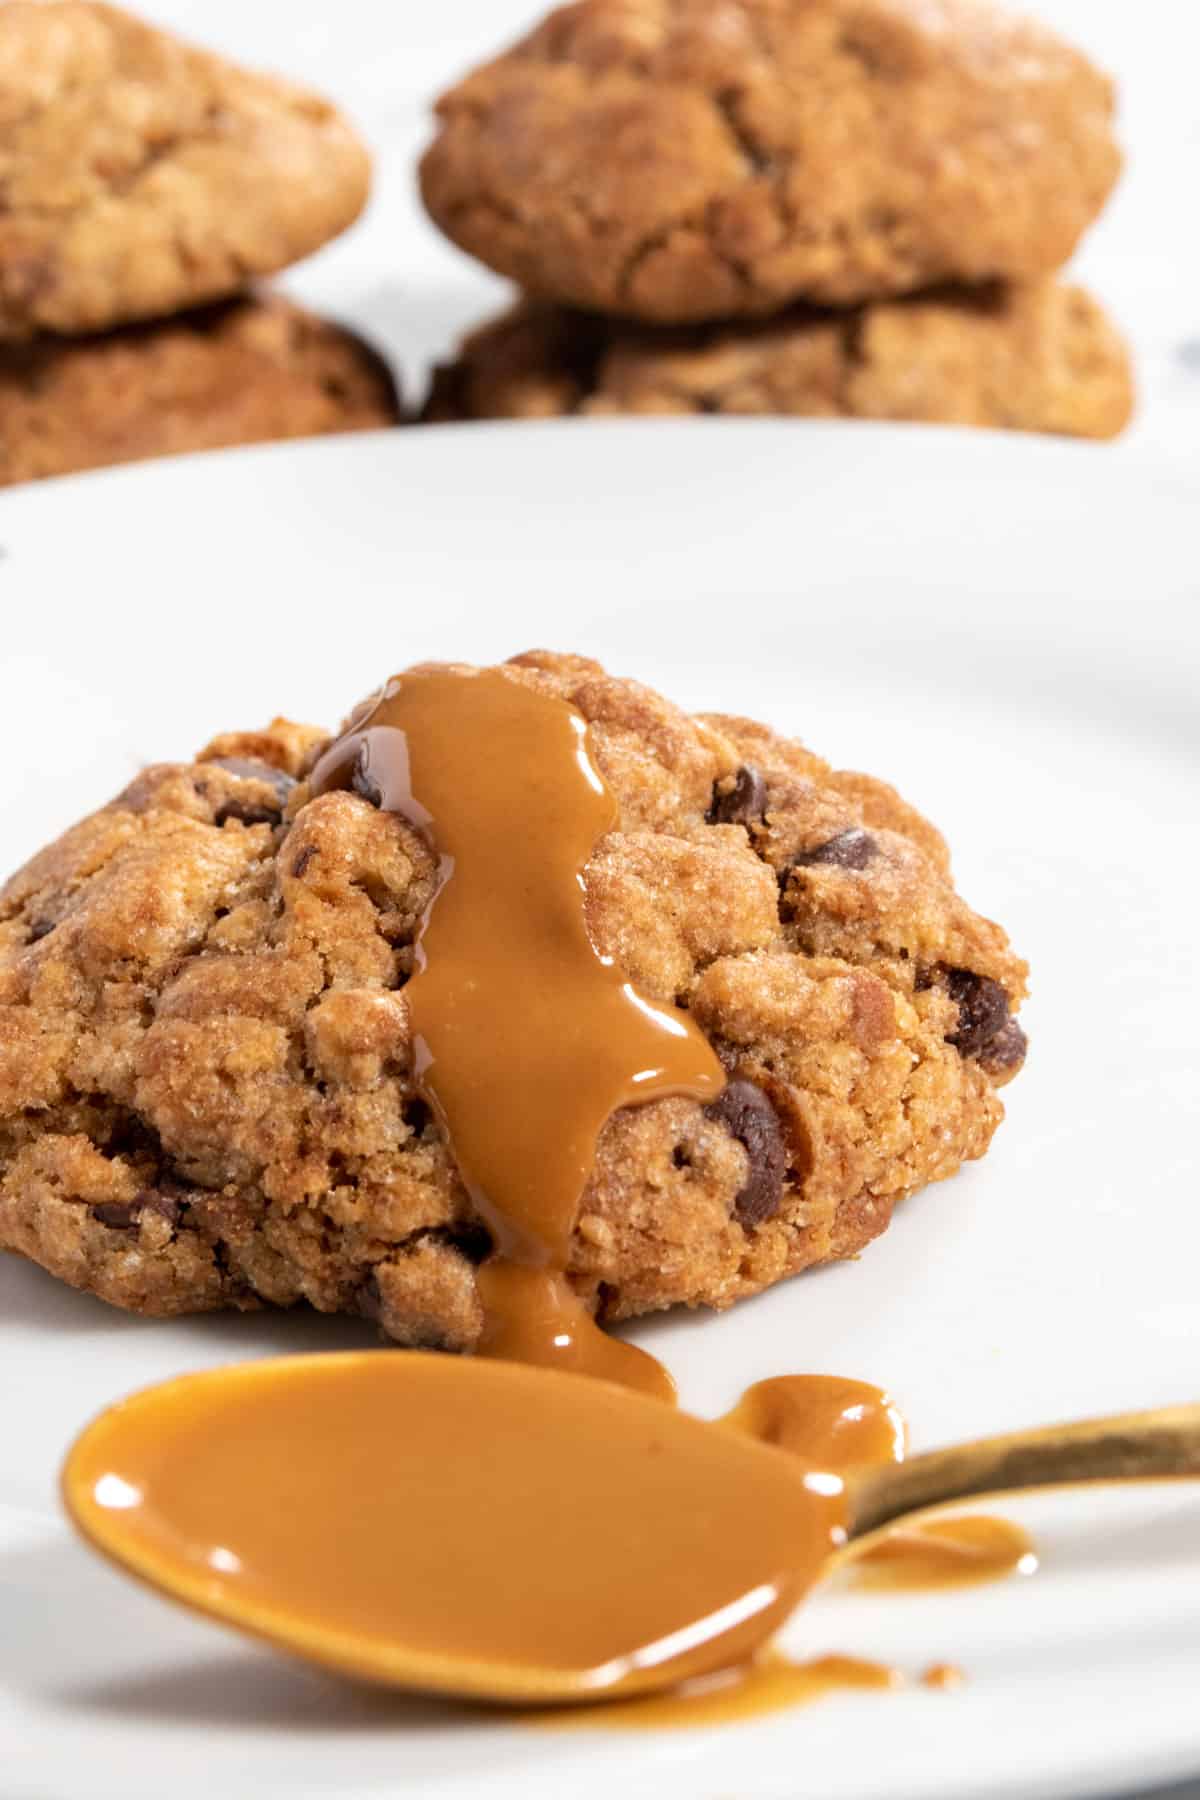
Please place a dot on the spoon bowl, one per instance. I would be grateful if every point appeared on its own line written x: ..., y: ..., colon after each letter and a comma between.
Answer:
x: 504, y: 1533
x: 456, y: 1526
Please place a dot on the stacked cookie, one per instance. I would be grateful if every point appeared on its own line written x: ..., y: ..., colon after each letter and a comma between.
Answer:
x: 145, y: 185
x: 812, y: 207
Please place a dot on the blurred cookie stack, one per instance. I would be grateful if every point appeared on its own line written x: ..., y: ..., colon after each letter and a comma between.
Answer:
x: 827, y: 208
x: 143, y: 186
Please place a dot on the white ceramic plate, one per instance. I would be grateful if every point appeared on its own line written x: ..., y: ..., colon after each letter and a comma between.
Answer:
x: 1008, y: 630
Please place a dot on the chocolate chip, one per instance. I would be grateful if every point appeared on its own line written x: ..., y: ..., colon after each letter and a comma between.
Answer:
x: 41, y: 928
x: 851, y: 849
x: 472, y: 1241
x: 303, y: 858
x: 607, y: 1295
x: 361, y: 779
x: 1004, y: 1053
x: 253, y: 812
x: 167, y: 1206
x: 742, y: 804
x: 118, y: 1215
x: 749, y: 1116
x: 122, y: 1215
x: 982, y: 1010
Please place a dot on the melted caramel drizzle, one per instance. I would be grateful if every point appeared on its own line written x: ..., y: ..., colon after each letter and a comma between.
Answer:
x: 840, y: 1425
x: 480, y: 1528
x: 831, y: 1422
x: 959, y: 1551
x: 525, y: 1038
x: 454, y: 1525
x: 770, y: 1683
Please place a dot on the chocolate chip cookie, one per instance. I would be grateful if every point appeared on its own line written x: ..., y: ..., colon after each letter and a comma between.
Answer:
x: 243, y: 372
x: 683, y: 160
x: 140, y: 176
x: 207, y: 1093
x: 1036, y: 357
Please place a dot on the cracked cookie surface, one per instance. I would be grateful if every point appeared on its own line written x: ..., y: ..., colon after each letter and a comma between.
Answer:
x: 206, y: 1087
x: 244, y: 372
x: 141, y: 176
x: 680, y: 160
x: 1041, y: 357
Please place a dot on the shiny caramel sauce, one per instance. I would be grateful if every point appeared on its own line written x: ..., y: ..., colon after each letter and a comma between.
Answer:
x: 957, y: 1551
x: 770, y: 1683
x: 475, y: 1527
x: 454, y: 1525
x: 942, y: 1675
x: 831, y: 1422
x: 526, y: 1038
x: 836, y: 1424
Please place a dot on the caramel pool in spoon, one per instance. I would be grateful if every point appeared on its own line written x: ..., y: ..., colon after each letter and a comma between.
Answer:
x: 461, y: 1526
x: 515, y: 1534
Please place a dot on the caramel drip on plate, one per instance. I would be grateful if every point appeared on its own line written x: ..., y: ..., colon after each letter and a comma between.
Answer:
x: 770, y: 1683
x: 959, y: 1551
x: 526, y: 1039
x: 841, y: 1425
x: 455, y: 1525
x: 942, y: 1675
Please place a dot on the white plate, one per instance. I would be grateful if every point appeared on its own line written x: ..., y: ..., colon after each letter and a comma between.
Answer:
x: 1008, y: 630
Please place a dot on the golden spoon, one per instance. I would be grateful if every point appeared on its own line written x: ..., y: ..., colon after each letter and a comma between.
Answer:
x: 505, y: 1533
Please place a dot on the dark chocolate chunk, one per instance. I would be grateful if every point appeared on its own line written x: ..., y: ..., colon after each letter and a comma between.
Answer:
x: 361, y: 780
x: 167, y: 1206
x: 123, y: 1215
x: 302, y: 859
x: 607, y: 1295
x: 982, y: 1010
x: 253, y: 812
x: 1004, y: 1053
x: 118, y: 1215
x: 851, y: 849
x: 41, y: 928
x: 749, y: 1116
x: 472, y: 1241
x: 742, y: 804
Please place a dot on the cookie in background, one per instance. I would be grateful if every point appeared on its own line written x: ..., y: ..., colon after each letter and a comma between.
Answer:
x: 857, y: 209
x: 142, y: 179
x: 1037, y: 357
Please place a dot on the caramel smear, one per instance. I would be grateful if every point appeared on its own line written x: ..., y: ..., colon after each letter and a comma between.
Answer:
x: 943, y: 1675
x: 771, y: 1683
x: 831, y: 1422
x: 960, y: 1551
x: 456, y: 1526
x: 526, y: 1039
x: 841, y: 1425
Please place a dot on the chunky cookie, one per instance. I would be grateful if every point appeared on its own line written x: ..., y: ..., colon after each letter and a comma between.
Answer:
x: 243, y: 372
x: 678, y: 160
x: 140, y: 176
x: 1040, y: 357
x: 207, y: 1095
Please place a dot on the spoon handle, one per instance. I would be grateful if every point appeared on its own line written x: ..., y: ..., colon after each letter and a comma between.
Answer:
x: 1163, y: 1442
